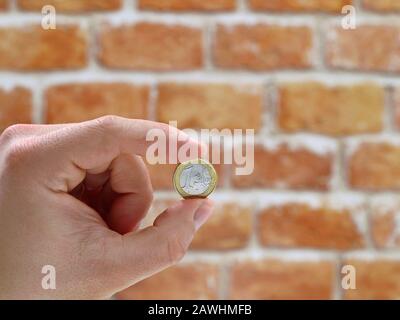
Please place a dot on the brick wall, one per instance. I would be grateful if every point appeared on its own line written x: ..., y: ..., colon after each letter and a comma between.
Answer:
x: 325, y: 104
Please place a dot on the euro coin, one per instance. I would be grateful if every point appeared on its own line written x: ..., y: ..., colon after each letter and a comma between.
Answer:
x: 195, y: 179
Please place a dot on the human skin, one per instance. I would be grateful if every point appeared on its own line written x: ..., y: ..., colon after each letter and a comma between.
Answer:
x: 72, y: 196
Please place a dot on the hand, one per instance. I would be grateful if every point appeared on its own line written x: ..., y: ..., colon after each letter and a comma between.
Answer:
x: 72, y: 196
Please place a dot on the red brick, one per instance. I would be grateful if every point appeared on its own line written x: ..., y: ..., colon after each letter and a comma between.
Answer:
x: 31, y: 48
x: 284, y: 167
x: 84, y: 101
x: 300, y: 5
x: 375, y: 279
x: 338, y: 110
x: 384, y: 217
x: 230, y: 227
x: 298, y: 225
x: 183, y: 282
x: 280, y: 279
x: 150, y: 46
x: 71, y: 5
x: 3, y: 4
x: 187, y: 5
x: 15, y: 107
x: 262, y: 47
x: 366, y: 48
x: 382, y: 5
x: 210, y: 105
x: 383, y: 229
x: 375, y: 166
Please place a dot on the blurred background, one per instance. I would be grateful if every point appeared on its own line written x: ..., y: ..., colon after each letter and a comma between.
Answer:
x: 324, y: 103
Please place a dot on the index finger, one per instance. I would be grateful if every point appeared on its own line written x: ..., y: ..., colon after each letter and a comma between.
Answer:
x: 96, y: 143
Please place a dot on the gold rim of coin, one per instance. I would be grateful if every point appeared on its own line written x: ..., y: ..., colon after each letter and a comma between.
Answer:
x: 182, y: 166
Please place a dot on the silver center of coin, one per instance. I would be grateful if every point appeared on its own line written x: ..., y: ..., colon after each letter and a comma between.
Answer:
x: 195, y: 179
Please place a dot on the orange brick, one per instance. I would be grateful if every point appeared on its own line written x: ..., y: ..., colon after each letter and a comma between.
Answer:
x: 32, y: 48
x: 280, y: 279
x: 71, y: 5
x: 80, y: 102
x: 384, y: 230
x: 336, y: 110
x: 187, y: 5
x: 375, y: 166
x: 284, y: 167
x: 262, y: 47
x: 15, y: 107
x: 382, y: 5
x: 3, y: 4
x: 375, y: 279
x: 183, y: 282
x: 229, y: 228
x: 300, y: 5
x: 149, y: 46
x: 210, y: 105
x: 298, y: 225
x: 367, y: 48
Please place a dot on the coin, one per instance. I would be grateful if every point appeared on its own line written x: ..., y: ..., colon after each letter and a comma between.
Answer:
x: 195, y: 179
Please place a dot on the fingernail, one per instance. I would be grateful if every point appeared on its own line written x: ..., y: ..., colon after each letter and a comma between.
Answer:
x: 202, y: 214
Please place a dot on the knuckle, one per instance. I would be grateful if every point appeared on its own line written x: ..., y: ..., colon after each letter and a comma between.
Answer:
x: 11, y: 133
x: 166, y: 127
x: 107, y: 122
x: 179, y: 241
x: 176, y: 249
x: 102, y: 132
x: 17, y: 151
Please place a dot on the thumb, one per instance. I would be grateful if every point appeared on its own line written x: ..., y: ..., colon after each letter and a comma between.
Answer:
x: 166, y: 242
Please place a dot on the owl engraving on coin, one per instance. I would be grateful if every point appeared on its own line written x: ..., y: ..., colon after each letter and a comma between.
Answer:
x: 195, y: 179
